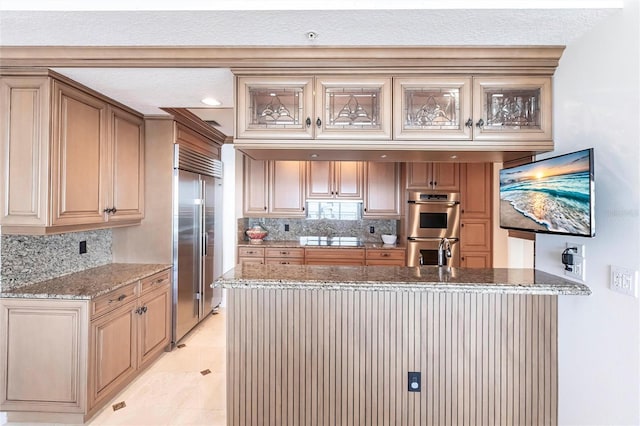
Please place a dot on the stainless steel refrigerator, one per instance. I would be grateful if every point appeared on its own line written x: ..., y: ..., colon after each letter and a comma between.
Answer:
x: 197, y: 234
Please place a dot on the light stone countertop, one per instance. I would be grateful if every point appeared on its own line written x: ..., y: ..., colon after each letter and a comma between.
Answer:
x: 397, y: 278
x: 86, y: 284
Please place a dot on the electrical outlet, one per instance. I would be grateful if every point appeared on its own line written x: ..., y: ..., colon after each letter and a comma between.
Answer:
x: 414, y: 381
x: 578, y: 269
x: 286, y: 227
x: 372, y: 230
x: 83, y: 247
x: 624, y: 280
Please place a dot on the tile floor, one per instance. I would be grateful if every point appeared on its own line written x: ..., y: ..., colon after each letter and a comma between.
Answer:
x: 173, y: 391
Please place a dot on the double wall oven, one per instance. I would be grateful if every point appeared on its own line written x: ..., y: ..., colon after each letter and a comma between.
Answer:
x: 433, y: 220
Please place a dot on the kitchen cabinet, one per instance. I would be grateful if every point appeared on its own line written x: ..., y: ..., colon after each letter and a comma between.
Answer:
x: 273, y: 188
x: 436, y: 176
x: 386, y: 257
x: 334, y: 180
x: 250, y: 255
x: 313, y: 107
x: 75, y: 159
x: 63, y: 359
x: 335, y: 256
x: 284, y: 256
x: 505, y: 108
x: 381, y: 190
x: 476, y: 213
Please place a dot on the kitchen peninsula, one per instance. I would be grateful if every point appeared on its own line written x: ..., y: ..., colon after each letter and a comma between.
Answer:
x: 392, y: 345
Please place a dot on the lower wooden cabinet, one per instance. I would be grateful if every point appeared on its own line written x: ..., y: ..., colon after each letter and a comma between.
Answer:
x: 64, y: 359
x: 476, y: 260
x: 335, y: 256
x: 386, y: 257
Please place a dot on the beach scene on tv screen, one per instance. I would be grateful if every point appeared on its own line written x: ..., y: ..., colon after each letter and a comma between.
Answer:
x: 551, y: 195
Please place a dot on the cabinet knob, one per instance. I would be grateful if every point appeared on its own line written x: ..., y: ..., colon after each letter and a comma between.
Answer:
x: 308, y: 121
x: 265, y: 208
x: 469, y: 123
x: 386, y: 254
x: 319, y: 123
x: 118, y: 299
x: 107, y: 210
x: 480, y: 124
x: 462, y: 225
x: 435, y: 183
x: 114, y: 210
x: 284, y: 252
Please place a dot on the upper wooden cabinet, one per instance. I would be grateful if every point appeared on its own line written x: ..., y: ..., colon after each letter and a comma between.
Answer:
x: 72, y: 160
x: 381, y: 190
x: 479, y: 108
x: 307, y: 107
x: 437, y: 176
x: 273, y: 188
x: 334, y: 180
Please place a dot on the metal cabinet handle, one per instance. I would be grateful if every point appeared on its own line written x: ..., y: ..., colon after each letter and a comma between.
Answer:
x: 480, y: 124
x: 319, y: 122
x: 284, y: 252
x: 284, y: 263
x: 118, y: 299
x: 386, y: 254
x: 107, y: 210
x: 308, y: 122
x: 469, y: 123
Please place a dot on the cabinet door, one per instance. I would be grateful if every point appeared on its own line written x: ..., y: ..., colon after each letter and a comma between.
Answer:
x: 446, y: 176
x: 475, y: 190
x: 275, y: 108
x: 43, y: 354
x: 127, y: 174
x: 80, y: 157
x: 419, y: 175
x: 381, y: 189
x: 475, y: 235
x: 286, y: 188
x: 348, y: 180
x: 432, y: 108
x: 319, y: 180
x: 512, y: 108
x: 24, y: 150
x: 357, y: 107
x: 476, y: 260
x: 255, y: 187
x: 113, y: 352
x: 154, y: 324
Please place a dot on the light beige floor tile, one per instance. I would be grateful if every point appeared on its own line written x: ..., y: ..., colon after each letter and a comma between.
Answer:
x: 199, y: 417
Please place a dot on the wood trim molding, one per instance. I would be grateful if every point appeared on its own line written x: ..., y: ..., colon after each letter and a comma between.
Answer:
x: 193, y: 122
x: 540, y: 60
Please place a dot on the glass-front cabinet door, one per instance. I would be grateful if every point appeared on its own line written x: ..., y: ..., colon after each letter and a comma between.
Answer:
x: 353, y: 108
x: 512, y: 108
x: 275, y: 108
x: 431, y: 108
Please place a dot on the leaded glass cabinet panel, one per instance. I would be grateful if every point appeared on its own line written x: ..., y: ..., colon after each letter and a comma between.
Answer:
x: 275, y: 107
x: 429, y: 108
x: 517, y: 108
x: 358, y: 107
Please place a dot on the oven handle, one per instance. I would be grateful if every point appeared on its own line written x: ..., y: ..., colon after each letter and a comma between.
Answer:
x: 432, y: 239
x: 446, y: 203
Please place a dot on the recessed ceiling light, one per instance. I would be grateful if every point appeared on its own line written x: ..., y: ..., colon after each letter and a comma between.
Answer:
x: 211, y: 102
x: 454, y: 156
x: 383, y: 156
x: 314, y: 155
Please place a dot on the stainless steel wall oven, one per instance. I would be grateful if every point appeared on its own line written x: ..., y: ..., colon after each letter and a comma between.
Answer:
x: 433, y: 224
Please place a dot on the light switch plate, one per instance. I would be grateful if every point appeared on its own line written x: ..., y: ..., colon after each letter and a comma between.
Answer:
x: 624, y: 280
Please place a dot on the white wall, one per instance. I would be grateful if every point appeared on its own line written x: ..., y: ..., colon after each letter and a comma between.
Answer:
x: 596, y: 104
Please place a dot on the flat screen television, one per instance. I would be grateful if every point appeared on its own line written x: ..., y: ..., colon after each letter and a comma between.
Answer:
x: 554, y: 195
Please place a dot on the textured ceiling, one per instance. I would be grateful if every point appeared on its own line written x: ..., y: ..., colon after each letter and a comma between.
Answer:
x: 148, y: 89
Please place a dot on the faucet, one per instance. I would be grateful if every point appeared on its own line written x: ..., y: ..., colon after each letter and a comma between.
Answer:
x: 444, y: 251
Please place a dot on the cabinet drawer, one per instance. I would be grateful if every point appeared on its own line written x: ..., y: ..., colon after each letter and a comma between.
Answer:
x: 334, y: 253
x: 252, y: 260
x: 250, y: 251
x: 155, y: 281
x: 385, y: 254
x: 385, y: 262
x: 284, y: 261
x: 114, y: 299
x: 284, y: 252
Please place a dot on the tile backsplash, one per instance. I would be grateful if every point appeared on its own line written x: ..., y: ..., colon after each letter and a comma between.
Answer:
x: 319, y: 227
x: 25, y: 259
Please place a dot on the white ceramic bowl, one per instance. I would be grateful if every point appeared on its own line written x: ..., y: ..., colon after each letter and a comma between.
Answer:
x: 389, y: 239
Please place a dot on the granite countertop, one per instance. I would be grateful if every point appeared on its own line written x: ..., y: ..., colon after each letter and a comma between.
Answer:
x: 87, y: 284
x: 297, y: 244
x: 396, y: 278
